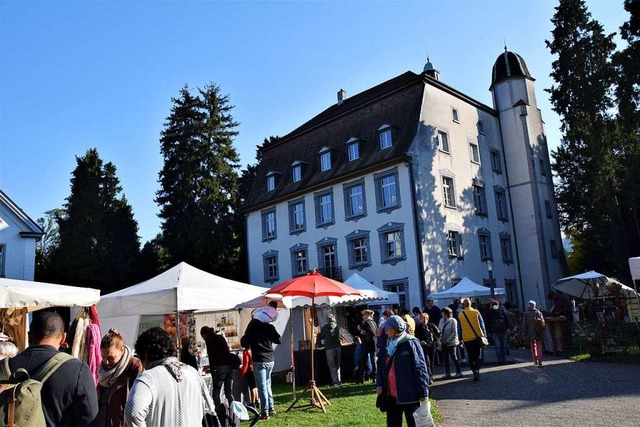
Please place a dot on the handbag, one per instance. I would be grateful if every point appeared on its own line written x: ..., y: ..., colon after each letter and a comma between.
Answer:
x: 422, y: 415
x: 382, y: 401
x: 483, y: 340
x: 540, y: 324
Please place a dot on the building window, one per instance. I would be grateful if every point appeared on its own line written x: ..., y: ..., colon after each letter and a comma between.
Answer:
x: 355, y: 203
x: 3, y: 259
x: 296, y: 173
x: 501, y: 204
x: 299, y: 264
x: 328, y: 258
x: 443, y: 141
x: 358, y: 249
x: 297, y: 223
x: 386, y: 140
x: 324, y: 208
x: 481, y: 127
x: 547, y: 209
x: 484, y: 238
x: 474, y: 152
x: 510, y: 289
x: 454, y: 243
x: 392, y: 246
x: 270, y: 264
x: 387, y: 190
x: 496, y: 164
x: 553, y: 248
x: 325, y: 160
x: 454, y: 115
x: 271, y: 183
x: 479, y: 199
x: 353, y: 151
x: 543, y: 169
x: 398, y: 286
x: 448, y: 192
x: 269, y: 230
x: 505, y: 248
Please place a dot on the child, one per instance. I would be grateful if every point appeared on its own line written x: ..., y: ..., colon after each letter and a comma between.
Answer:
x: 247, y: 372
x: 358, y: 351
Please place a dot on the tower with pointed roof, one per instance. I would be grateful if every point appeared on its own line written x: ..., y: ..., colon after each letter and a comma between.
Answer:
x: 529, y: 179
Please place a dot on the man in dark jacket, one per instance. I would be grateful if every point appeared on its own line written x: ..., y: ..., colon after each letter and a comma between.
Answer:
x: 69, y: 395
x: 261, y: 336
x: 221, y: 363
x: 498, y: 323
x: 368, y: 333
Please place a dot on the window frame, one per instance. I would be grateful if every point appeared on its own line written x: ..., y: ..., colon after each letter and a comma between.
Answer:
x: 480, y: 206
x: 480, y: 127
x: 399, y: 286
x: 547, y: 209
x: 495, y: 156
x: 356, y: 146
x: 453, y: 202
x: 263, y: 220
x: 269, y: 255
x: 299, y: 248
x: 296, y: 172
x: 441, y: 141
x: 553, y: 248
x: 351, y: 239
x: 317, y: 197
x: 348, y: 207
x: 271, y: 183
x: 506, y: 248
x: 385, y: 137
x: 475, y: 145
x: 454, y: 244
x: 455, y: 115
x: 325, y: 159
x: 292, y: 216
x: 320, y: 245
x: 543, y: 167
x: 395, y: 228
x: 502, y: 208
x: 484, y: 235
x: 379, y: 183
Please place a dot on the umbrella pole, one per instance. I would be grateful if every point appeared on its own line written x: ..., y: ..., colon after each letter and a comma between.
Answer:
x: 293, y: 360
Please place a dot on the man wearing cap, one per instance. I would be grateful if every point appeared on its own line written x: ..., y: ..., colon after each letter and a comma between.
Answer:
x: 330, y: 336
x: 402, y: 378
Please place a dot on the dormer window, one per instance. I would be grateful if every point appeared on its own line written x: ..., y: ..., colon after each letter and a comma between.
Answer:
x: 325, y: 159
x: 296, y: 171
x: 353, y: 149
x: 271, y: 183
x: 385, y: 135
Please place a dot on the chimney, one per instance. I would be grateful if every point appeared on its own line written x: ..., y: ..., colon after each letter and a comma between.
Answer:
x: 342, y: 95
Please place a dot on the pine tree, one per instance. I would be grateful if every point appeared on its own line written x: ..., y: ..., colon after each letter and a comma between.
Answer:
x: 199, y: 181
x: 588, y: 187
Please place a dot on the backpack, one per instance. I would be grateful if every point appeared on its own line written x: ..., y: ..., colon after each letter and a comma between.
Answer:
x: 540, y: 324
x: 21, y: 403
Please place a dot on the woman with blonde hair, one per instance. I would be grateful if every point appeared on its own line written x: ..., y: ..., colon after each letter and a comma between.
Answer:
x: 118, y: 370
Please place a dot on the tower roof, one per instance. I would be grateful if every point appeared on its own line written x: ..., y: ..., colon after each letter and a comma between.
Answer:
x: 509, y: 65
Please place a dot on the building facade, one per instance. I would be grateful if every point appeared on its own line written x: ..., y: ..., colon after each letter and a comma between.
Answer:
x: 18, y: 237
x: 413, y: 185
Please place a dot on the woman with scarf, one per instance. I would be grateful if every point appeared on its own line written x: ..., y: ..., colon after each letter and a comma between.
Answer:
x: 402, y: 379
x: 116, y: 374
x: 168, y: 392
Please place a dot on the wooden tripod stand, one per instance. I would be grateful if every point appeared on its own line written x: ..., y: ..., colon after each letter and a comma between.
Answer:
x: 318, y: 400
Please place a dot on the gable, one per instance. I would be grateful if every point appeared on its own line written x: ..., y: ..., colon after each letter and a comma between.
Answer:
x: 17, y: 221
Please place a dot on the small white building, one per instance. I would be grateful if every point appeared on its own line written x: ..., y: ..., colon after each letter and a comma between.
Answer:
x: 414, y: 185
x: 18, y: 237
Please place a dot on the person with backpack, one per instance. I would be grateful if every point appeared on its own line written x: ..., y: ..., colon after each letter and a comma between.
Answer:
x: 530, y: 318
x: 498, y: 323
x: 428, y: 334
x: 68, y: 395
x: 117, y: 372
x: 168, y: 392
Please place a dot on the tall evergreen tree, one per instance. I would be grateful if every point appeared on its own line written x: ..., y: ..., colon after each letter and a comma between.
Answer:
x: 98, y: 241
x: 199, y: 181
x: 586, y: 165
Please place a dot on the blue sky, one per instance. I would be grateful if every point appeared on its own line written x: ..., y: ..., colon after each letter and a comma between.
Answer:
x: 77, y: 74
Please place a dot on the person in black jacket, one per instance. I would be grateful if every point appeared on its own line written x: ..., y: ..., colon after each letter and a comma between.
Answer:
x: 498, y: 323
x: 368, y: 333
x: 261, y: 336
x: 69, y: 395
x: 429, y: 335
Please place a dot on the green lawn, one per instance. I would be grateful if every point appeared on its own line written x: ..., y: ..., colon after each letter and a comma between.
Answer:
x: 351, y: 405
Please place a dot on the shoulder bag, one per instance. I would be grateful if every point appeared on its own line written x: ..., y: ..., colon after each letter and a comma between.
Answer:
x: 483, y: 340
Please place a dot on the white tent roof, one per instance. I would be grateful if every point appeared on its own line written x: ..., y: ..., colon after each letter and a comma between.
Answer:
x: 368, y: 289
x: 467, y: 288
x: 37, y: 295
x: 634, y: 265
x: 182, y: 287
x: 581, y: 285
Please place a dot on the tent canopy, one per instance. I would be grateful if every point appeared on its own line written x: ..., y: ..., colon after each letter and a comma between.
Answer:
x: 634, y: 265
x: 37, y: 295
x: 368, y: 289
x: 182, y: 287
x: 467, y: 288
x: 591, y: 285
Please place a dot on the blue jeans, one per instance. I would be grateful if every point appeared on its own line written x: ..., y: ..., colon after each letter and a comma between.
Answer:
x: 262, y: 372
x: 500, y: 341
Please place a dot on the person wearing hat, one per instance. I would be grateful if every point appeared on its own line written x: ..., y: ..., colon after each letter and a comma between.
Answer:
x: 368, y: 330
x: 498, y: 323
x: 449, y: 338
x: 330, y: 336
x: 402, y: 380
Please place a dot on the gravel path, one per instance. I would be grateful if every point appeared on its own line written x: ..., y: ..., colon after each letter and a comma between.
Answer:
x: 561, y: 393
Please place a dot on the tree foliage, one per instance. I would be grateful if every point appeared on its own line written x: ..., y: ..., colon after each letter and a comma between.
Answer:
x: 97, y: 243
x: 199, y: 181
x: 591, y: 164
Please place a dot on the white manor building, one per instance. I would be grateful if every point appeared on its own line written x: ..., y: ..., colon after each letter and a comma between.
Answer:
x: 413, y: 185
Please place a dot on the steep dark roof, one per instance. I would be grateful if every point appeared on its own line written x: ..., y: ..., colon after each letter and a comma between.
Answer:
x: 509, y: 65
x: 396, y: 103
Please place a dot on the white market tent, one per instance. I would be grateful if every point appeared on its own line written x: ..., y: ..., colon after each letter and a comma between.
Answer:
x: 181, y: 288
x: 368, y: 289
x: 466, y: 288
x: 38, y: 295
x: 582, y: 285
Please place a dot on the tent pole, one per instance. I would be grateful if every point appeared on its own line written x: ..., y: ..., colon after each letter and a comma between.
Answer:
x: 293, y: 361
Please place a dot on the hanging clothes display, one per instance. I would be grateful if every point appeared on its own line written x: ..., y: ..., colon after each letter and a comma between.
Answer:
x: 94, y: 356
x: 14, y: 324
